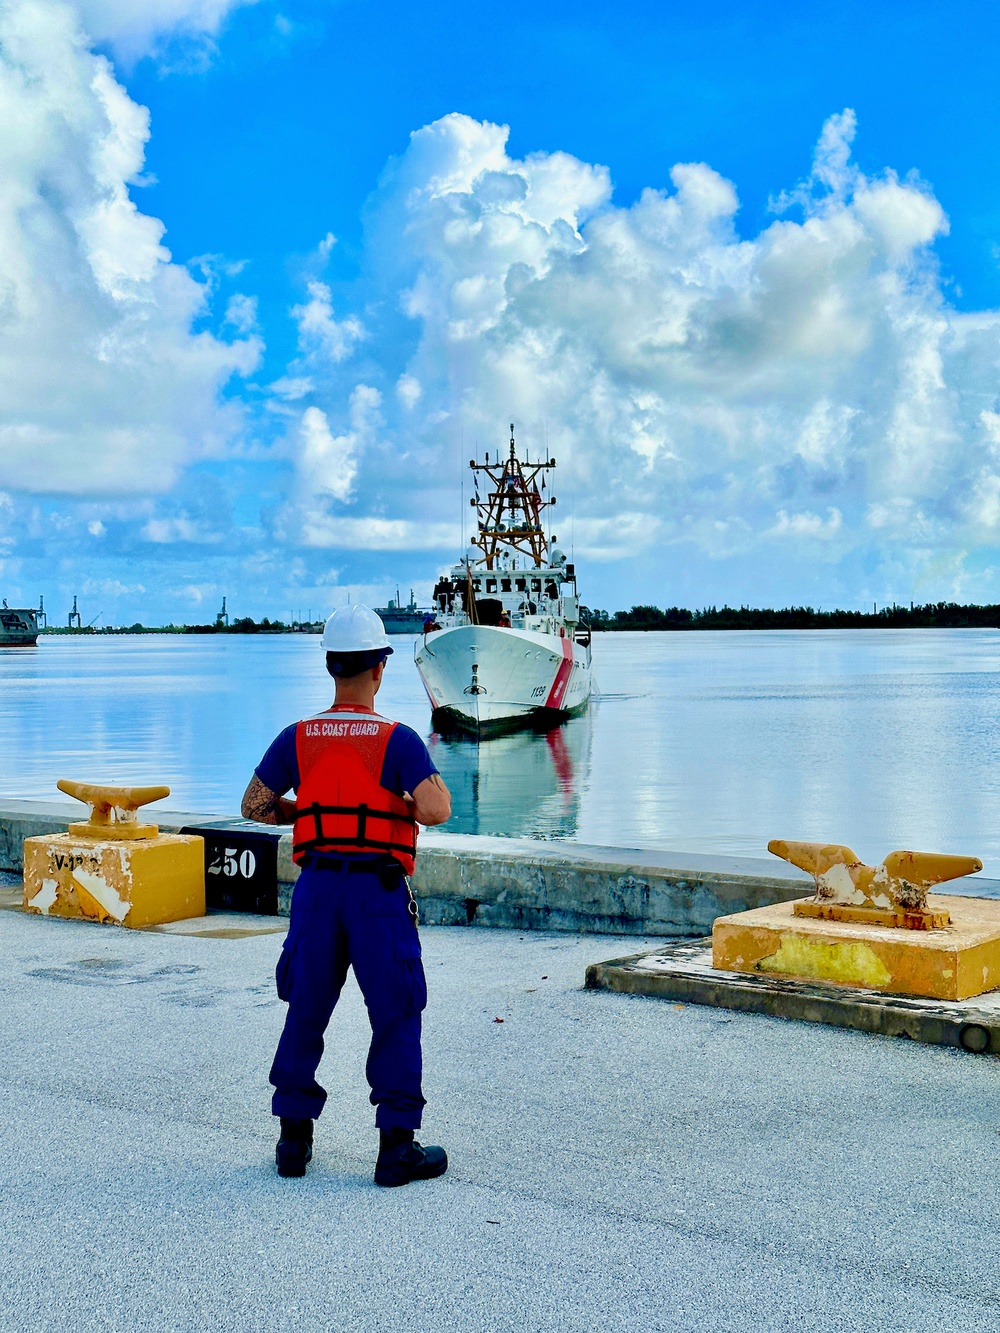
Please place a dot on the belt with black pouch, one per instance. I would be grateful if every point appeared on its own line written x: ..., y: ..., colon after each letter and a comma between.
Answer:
x: 388, y: 869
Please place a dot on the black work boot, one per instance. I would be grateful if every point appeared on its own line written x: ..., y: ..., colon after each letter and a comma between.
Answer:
x: 401, y: 1159
x: 295, y: 1147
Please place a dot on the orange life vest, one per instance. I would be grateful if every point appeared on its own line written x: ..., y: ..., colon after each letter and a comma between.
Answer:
x: 341, y: 806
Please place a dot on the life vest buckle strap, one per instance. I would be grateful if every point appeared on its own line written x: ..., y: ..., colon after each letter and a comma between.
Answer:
x: 312, y: 844
x: 315, y: 810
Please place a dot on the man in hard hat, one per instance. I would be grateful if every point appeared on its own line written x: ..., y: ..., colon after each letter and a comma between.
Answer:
x: 362, y: 785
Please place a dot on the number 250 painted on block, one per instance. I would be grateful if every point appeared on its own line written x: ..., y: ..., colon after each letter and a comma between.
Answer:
x: 230, y: 861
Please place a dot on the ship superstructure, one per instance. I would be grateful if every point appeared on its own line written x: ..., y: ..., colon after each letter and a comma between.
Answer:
x: 18, y: 626
x: 507, y: 647
x: 400, y: 619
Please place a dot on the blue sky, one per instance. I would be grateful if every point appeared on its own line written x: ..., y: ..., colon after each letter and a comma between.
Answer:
x: 316, y: 113
x: 736, y: 264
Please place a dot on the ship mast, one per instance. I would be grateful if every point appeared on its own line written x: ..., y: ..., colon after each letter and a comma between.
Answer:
x: 510, y: 514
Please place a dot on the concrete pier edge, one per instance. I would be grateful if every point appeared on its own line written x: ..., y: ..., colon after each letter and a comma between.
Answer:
x: 684, y: 973
x: 522, y: 883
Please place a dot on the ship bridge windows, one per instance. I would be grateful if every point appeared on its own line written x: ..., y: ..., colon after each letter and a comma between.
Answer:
x: 520, y: 584
x: 491, y: 585
x: 478, y: 585
x: 505, y: 585
x: 536, y: 585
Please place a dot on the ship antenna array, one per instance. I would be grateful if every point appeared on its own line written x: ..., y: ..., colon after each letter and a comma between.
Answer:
x: 512, y: 513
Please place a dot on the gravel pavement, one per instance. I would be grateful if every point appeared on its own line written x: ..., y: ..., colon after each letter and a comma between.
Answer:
x: 617, y: 1162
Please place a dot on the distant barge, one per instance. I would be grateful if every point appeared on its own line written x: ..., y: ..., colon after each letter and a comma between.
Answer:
x: 18, y: 627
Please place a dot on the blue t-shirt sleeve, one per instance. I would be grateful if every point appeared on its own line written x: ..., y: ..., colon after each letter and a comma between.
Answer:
x: 279, y: 769
x: 407, y: 762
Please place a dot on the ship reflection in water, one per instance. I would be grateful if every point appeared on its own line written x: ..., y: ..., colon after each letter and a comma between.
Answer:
x: 522, y: 785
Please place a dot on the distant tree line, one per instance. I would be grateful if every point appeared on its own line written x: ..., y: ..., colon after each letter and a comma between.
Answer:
x: 245, y: 625
x: 939, y: 615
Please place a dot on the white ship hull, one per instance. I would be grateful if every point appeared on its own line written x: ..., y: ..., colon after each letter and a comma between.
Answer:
x: 483, y: 679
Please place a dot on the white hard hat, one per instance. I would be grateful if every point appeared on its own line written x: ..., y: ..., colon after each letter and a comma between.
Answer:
x: 354, y: 629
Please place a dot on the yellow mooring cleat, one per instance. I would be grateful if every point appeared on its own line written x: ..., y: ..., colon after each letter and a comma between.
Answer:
x: 113, y: 810
x: 892, y: 894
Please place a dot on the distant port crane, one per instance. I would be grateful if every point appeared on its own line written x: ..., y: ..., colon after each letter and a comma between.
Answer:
x: 75, y: 621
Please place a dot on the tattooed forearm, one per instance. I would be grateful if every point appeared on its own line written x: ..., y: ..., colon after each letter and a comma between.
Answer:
x: 265, y: 806
x: 431, y: 802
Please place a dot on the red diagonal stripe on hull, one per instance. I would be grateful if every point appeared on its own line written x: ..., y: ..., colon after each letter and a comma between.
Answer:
x: 558, y: 690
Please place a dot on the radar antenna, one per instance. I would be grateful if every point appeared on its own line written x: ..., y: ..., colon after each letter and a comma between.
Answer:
x: 510, y: 514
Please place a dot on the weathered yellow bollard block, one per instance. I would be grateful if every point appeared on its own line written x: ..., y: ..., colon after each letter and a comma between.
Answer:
x: 114, y: 869
x: 954, y: 963
x: 870, y: 926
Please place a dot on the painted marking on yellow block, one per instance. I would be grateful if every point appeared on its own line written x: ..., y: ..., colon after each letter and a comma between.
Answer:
x: 44, y: 896
x: 136, y: 882
x: 88, y: 904
x: 849, y: 962
x: 106, y: 901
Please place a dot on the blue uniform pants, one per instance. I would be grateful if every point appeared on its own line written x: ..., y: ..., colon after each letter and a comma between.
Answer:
x: 358, y: 920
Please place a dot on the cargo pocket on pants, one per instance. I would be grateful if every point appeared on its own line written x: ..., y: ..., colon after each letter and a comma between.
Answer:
x: 303, y: 902
x: 413, y: 983
x: 283, y: 972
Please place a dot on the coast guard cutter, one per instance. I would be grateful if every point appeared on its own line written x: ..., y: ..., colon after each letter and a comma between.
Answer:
x: 507, y: 647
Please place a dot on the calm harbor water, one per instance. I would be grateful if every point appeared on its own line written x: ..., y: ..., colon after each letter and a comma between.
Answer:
x: 701, y: 742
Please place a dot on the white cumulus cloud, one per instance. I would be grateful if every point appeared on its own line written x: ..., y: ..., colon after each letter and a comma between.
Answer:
x: 139, y: 27
x: 320, y: 333
x: 326, y: 472
x: 377, y: 534
x: 327, y: 464
x: 110, y: 588
x: 241, y: 312
x: 811, y: 381
x: 807, y: 524
x: 179, y: 528
x: 104, y: 386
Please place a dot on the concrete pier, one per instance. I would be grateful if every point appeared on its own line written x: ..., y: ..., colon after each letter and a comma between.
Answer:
x: 683, y: 971
x: 525, y: 883
x: 616, y: 1163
